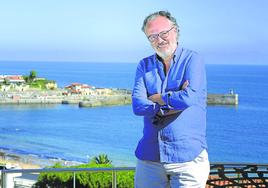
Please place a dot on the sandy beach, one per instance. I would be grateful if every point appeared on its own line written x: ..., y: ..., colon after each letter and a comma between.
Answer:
x: 14, y: 160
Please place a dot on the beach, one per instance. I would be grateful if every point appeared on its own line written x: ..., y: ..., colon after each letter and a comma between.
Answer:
x: 20, y: 161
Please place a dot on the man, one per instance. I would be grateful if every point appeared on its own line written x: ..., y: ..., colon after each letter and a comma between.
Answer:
x: 170, y: 93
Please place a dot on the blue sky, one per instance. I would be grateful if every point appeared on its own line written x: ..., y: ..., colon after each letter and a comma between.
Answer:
x: 229, y: 32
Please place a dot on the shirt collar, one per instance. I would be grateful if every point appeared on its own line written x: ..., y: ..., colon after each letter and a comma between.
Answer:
x: 177, y: 54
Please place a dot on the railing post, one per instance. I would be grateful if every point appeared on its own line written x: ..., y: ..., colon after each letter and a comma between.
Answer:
x: 3, y: 183
x: 238, y: 178
x: 74, y: 181
x: 114, y: 179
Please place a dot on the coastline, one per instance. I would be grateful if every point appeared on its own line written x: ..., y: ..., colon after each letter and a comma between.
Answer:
x: 27, y: 161
x: 115, y: 97
x: 93, y: 97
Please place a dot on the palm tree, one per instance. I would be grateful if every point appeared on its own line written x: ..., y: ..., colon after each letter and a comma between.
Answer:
x: 102, y: 159
x: 32, y: 75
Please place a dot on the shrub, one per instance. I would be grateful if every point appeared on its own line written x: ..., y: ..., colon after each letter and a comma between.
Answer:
x: 125, y: 179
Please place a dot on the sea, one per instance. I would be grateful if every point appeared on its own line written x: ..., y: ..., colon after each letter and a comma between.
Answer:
x: 234, y: 133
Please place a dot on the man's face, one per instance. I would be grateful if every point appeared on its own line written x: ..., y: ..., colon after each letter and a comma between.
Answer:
x: 162, y: 35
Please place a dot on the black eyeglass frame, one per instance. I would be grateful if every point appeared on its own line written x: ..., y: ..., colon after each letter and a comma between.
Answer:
x: 154, y: 37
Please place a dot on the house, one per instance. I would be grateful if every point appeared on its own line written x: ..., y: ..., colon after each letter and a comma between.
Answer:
x: 2, y: 78
x: 16, y: 79
x: 104, y: 91
x: 5, y: 87
x: 15, y: 82
x: 51, y: 85
x: 79, y: 89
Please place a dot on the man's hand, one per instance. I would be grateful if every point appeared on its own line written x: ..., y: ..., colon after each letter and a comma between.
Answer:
x: 157, y: 98
x: 184, y: 85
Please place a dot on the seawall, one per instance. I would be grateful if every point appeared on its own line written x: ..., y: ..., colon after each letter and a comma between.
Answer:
x: 107, y: 101
x: 98, y: 100
x: 222, y: 99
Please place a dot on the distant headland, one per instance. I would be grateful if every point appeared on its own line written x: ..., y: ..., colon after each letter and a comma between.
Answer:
x: 30, y: 89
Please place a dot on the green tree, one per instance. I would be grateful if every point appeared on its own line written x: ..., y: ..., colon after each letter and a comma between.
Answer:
x: 26, y: 79
x: 6, y: 81
x: 102, y: 159
x: 33, y: 75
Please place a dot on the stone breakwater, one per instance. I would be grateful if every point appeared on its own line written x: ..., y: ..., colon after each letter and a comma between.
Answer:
x: 31, y: 97
x: 107, y: 100
x: 120, y: 97
x: 222, y: 99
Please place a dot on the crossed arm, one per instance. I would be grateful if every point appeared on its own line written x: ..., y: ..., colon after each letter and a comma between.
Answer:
x: 188, y: 95
x: 157, y: 98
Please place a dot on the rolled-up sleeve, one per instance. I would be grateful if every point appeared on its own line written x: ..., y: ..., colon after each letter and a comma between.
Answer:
x: 141, y: 105
x: 195, y: 92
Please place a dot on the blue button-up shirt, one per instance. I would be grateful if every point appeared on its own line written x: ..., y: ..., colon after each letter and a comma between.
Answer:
x: 172, y: 138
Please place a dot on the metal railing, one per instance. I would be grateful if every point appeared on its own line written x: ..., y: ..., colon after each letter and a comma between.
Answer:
x: 244, y: 175
x: 73, y: 170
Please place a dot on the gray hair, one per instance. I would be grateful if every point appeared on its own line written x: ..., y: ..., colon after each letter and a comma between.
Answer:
x: 163, y: 13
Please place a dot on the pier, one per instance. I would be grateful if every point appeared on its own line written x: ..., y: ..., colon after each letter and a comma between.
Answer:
x: 222, y: 99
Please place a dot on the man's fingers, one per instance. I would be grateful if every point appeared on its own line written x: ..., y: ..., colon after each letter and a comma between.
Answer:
x: 152, y: 98
x: 157, y: 98
x: 184, y: 85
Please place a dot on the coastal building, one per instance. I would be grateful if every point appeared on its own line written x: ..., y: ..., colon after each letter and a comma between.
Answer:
x: 13, y: 86
x: 104, y: 91
x: 79, y: 89
x: 5, y: 87
x: 2, y: 78
x: 9, y: 179
x: 12, y: 79
x: 18, y: 79
x: 51, y: 85
x: 15, y: 82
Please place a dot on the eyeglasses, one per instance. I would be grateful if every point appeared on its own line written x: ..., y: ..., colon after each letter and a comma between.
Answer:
x: 163, y: 35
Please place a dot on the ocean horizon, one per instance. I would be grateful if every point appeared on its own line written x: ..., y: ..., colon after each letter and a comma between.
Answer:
x: 234, y: 133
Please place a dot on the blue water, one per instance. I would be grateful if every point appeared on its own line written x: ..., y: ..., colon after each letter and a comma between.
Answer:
x: 234, y: 134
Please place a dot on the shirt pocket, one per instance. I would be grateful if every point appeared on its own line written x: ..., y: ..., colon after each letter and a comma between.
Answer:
x: 152, y: 82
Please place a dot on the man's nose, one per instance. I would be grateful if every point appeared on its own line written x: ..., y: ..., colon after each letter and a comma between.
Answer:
x: 159, y: 40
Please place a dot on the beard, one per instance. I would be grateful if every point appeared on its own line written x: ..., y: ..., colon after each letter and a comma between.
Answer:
x: 165, y: 49
x: 164, y: 54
